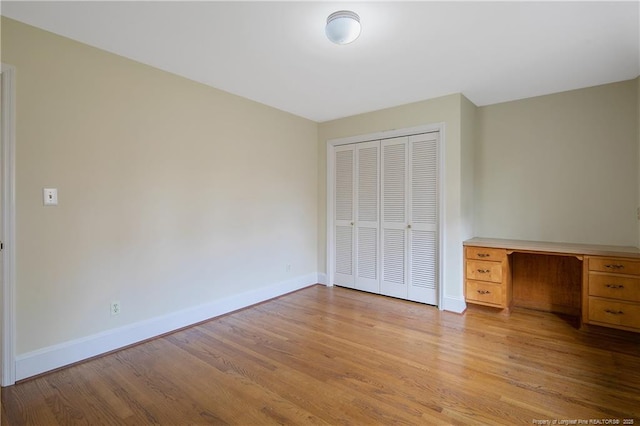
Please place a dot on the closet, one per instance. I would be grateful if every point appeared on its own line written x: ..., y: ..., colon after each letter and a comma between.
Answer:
x: 385, y: 216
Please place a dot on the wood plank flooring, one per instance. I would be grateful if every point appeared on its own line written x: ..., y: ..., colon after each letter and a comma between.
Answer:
x: 337, y: 356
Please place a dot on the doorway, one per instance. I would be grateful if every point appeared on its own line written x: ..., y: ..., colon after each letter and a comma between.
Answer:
x: 384, y: 213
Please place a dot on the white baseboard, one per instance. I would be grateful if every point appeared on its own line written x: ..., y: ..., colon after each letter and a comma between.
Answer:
x: 454, y: 305
x: 60, y: 355
x: 322, y: 278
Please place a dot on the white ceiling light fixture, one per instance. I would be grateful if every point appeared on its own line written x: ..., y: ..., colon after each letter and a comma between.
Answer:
x: 343, y: 27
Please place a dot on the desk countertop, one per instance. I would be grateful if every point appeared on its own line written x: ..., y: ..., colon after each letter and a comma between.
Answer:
x: 551, y: 247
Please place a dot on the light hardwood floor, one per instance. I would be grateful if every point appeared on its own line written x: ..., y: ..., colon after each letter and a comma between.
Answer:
x: 338, y: 356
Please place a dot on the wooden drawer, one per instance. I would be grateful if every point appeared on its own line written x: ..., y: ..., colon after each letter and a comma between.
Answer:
x: 619, y: 266
x: 484, y: 271
x: 484, y: 292
x: 482, y: 253
x: 614, y: 312
x: 614, y: 286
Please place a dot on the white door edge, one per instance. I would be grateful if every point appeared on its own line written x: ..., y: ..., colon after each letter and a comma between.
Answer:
x: 8, y: 317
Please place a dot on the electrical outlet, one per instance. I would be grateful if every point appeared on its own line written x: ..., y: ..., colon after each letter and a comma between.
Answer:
x: 115, y: 308
x: 288, y: 267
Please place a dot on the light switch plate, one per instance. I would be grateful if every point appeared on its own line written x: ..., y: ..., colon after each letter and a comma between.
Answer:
x: 50, y: 196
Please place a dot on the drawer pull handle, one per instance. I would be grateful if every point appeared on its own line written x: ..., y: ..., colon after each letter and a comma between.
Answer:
x: 614, y: 286
x: 484, y: 271
x: 609, y: 311
x: 614, y: 266
x: 484, y: 292
x: 484, y: 255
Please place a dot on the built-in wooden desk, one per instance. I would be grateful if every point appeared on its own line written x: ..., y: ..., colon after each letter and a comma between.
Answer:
x: 599, y: 283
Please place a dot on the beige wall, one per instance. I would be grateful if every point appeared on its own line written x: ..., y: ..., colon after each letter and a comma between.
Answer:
x: 562, y: 167
x: 445, y: 110
x: 638, y: 129
x: 172, y: 194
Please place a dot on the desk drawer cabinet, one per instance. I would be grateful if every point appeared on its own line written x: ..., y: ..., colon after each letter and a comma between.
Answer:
x: 612, y: 287
x: 484, y: 293
x: 483, y: 253
x: 614, y: 313
x: 617, y: 266
x: 483, y: 270
x: 487, y: 278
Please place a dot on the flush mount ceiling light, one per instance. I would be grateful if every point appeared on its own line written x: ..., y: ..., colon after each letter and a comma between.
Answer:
x: 343, y: 27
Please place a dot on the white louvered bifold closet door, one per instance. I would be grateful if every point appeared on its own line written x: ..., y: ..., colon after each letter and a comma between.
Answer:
x: 386, y: 217
x: 344, y: 216
x: 367, y: 210
x: 393, y: 193
x: 423, y: 218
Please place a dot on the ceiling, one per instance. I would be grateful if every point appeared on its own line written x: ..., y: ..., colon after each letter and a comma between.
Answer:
x: 276, y: 53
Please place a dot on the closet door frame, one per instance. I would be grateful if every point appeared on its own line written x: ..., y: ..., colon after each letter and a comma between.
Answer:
x: 330, y: 233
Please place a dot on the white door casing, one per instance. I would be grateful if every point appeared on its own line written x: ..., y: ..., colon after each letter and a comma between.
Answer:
x: 7, y: 317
